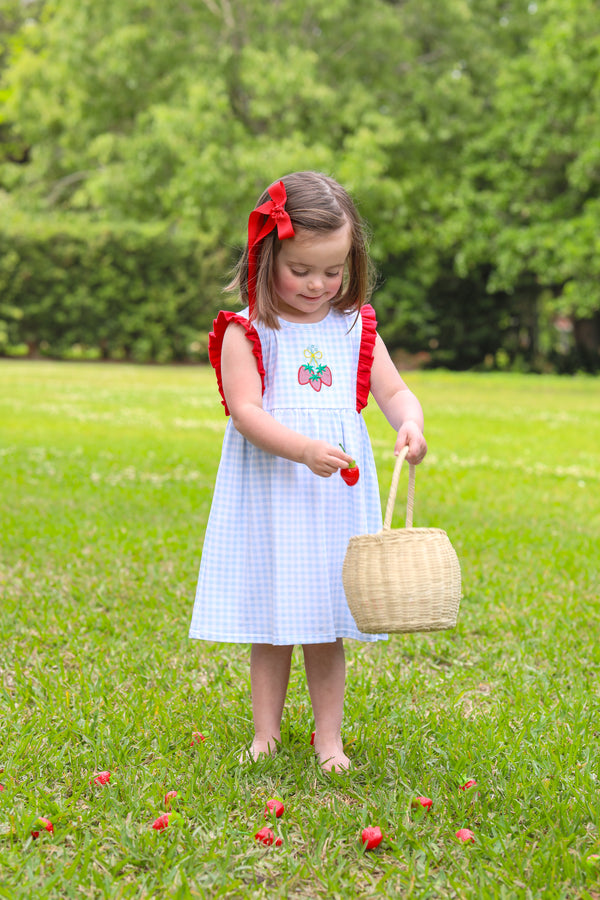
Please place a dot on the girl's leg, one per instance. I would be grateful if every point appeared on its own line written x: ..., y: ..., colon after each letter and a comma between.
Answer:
x: 269, y: 676
x: 326, y: 676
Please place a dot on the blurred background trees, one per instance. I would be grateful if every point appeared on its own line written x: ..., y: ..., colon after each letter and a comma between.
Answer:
x: 135, y: 137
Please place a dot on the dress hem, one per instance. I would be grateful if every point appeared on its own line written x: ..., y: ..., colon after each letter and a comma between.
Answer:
x: 371, y: 638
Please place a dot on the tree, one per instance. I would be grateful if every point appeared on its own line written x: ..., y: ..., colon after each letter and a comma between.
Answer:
x: 14, y: 16
x: 467, y: 130
x: 531, y: 181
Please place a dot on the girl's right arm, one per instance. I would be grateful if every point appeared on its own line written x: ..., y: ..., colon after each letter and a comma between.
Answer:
x: 243, y: 392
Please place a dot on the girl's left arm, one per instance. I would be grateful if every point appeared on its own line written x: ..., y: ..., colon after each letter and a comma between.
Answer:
x: 398, y: 404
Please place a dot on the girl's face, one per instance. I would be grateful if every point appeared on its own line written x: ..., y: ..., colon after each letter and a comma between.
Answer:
x: 308, y: 273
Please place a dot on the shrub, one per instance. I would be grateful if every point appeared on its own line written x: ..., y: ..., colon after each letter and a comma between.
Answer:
x: 73, y: 287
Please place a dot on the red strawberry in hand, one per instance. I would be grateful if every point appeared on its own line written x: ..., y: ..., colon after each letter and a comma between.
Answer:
x: 351, y: 474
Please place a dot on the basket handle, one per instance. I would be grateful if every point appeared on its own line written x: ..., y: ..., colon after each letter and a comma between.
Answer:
x: 410, y: 500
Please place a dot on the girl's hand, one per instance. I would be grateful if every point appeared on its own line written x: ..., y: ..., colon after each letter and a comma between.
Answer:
x: 411, y: 435
x: 323, y: 459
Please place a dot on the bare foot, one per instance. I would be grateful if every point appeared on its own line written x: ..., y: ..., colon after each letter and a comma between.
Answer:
x: 260, y: 748
x: 331, y: 755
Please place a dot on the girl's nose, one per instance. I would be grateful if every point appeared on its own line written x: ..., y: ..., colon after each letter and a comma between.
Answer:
x: 315, y: 283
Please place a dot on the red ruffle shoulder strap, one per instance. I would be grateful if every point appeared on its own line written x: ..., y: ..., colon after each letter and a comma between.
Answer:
x: 365, y: 355
x: 215, y: 345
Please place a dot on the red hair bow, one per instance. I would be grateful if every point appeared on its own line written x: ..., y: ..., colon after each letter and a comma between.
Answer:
x: 278, y: 218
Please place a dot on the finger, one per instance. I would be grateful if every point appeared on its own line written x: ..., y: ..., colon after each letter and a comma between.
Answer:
x: 338, y: 463
x: 416, y: 457
x: 341, y: 457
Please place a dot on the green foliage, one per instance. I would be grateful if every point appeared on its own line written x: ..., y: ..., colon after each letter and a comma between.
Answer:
x: 534, y: 173
x: 14, y: 17
x: 468, y: 132
x: 121, y: 290
x: 107, y: 475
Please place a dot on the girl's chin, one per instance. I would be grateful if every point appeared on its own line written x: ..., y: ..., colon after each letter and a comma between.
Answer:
x: 305, y: 309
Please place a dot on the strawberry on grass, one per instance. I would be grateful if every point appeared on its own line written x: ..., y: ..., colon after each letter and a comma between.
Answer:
x: 170, y: 795
x: 161, y: 823
x: 101, y: 778
x: 468, y: 784
x: 274, y: 807
x: 267, y: 837
x: 371, y: 837
x: 424, y: 802
x: 43, y: 823
x: 465, y: 835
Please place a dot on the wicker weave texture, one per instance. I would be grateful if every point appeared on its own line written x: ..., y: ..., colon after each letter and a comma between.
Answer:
x: 402, y: 580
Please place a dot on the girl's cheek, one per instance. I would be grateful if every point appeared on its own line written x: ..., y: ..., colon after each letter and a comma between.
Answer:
x: 286, y: 284
x: 292, y: 284
x: 336, y: 285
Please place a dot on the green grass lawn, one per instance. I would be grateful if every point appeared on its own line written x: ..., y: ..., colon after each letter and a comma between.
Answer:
x: 107, y: 473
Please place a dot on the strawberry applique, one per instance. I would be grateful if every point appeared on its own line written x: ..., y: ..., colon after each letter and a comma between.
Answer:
x: 313, y: 372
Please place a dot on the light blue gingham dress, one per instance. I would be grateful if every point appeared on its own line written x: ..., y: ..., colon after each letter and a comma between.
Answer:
x: 277, y: 533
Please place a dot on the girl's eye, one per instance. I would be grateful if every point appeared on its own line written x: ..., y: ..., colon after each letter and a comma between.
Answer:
x: 305, y: 273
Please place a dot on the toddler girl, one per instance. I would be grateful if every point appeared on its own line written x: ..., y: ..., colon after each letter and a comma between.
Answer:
x: 294, y: 369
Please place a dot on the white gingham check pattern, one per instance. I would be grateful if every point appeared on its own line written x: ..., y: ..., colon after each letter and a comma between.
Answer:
x: 277, y: 534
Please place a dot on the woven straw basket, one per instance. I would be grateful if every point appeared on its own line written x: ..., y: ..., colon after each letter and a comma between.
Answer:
x: 404, y: 579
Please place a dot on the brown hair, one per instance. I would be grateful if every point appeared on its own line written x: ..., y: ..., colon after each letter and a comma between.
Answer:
x: 317, y: 203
